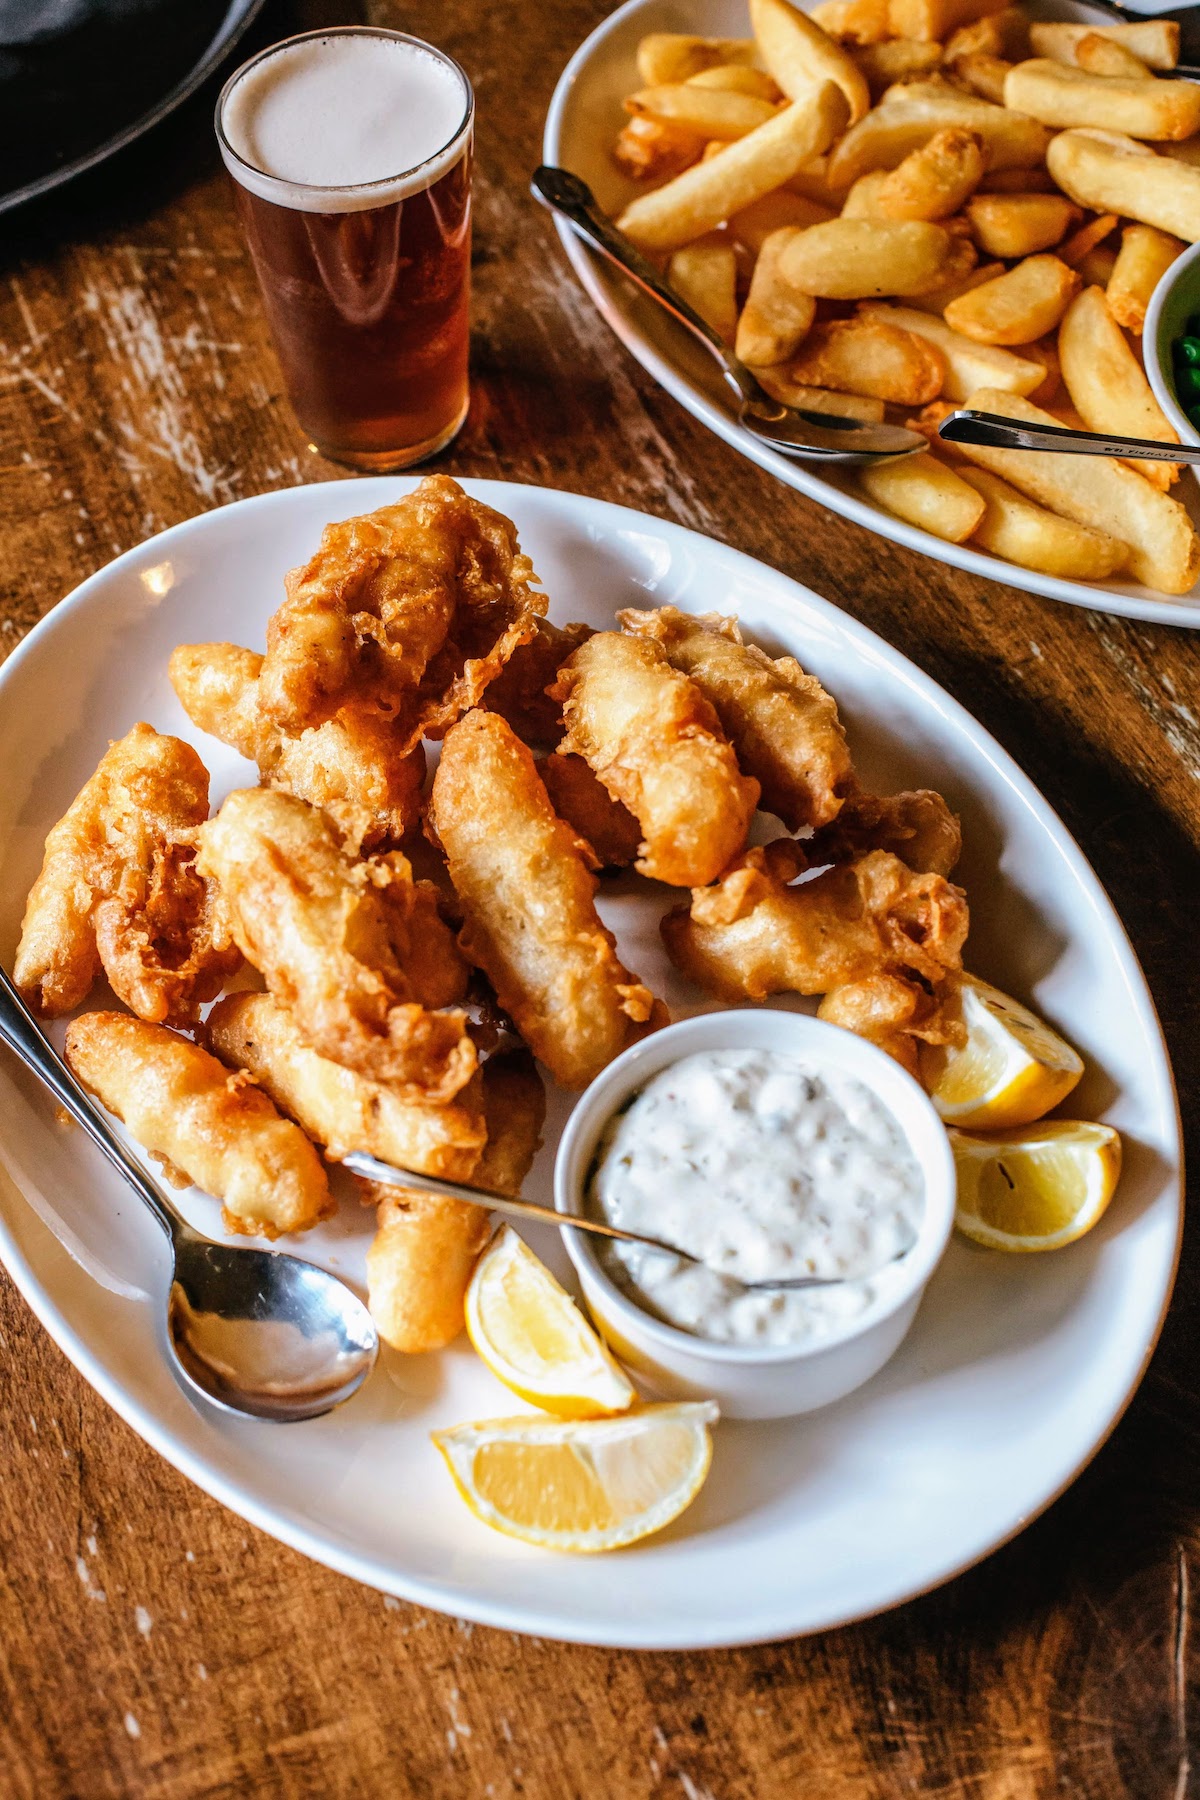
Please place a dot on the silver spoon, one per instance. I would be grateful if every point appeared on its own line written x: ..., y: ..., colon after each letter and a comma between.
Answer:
x: 369, y: 1166
x: 253, y: 1331
x: 807, y: 436
x: 995, y: 431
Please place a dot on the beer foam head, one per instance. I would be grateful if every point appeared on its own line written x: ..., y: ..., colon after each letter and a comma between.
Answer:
x: 341, y: 121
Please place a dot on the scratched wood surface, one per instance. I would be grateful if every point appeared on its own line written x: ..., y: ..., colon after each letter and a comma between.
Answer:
x: 152, y: 1644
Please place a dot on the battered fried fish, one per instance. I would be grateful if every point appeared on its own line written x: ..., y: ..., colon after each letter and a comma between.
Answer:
x: 656, y: 744
x: 411, y: 610
x: 782, y: 724
x: 527, y: 898
x: 753, y: 934
x: 203, y: 1123
x: 917, y: 826
x: 350, y: 765
x: 119, y: 890
x: 577, y: 796
x: 893, y: 1012
x: 339, y: 1108
x: 331, y: 937
x: 420, y: 1262
x: 519, y: 694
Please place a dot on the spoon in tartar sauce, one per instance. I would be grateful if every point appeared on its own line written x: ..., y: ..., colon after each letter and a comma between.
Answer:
x: 372, y: 1169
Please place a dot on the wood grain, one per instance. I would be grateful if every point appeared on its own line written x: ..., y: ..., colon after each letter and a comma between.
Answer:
x: 150, y: 1643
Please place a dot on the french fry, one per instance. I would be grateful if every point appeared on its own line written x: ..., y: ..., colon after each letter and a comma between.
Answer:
x: 926, y: 493
x: 1045, y: 352
x: 897, y: 60
x: 1153, y: 41
x: 1142, y: 261
x: 1106, y: 384
x: 709, y: 192
x: 776, y: 318
x: 781, y: 387
x: 676, y: 56
x: 932, y: 182
x: 1105, y: 176
x: 863, y: 22
x: 648, y: 150
x: 1060, y: 94
x: 1018, y: 306
x: 1010, y: 225
x: 1101, y: 55
x: 1081, y: 243
x: 1164, y: 550
x: 1186, y: 152
x: 983, y: 37
x: 755, y: 223
x: 983, y: 74
x: 968, y: 365
x: 937, y: 18
x: 908, y: 116
x: 864, y: 259
x: 737, y: 78
x: 706, y: 112
x: 1024, y: 533
x: 1097, y: 266
x: 810, y: 183
x: 705, y: 273
x: 939, y: 298
x: 862, y: 202
x: 867, y: 356
x: 798, y: 54
x: 1017, y: 181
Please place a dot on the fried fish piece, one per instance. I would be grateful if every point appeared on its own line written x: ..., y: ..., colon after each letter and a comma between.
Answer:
x: 350, y: 765
x: 119, y: 890
x: 657, y: 745
x: 917, y: 826
x: 753, y: 934
x: 527, y: 898
x: 420, y: 1262
x: 203, y: 1123
x: 411, y: 610
x: 782, y: 724
x: 892, y: 1011
x: 519, y: 694
x: 339, y: 1108
x: 579, y: 797
x: 330, y: 936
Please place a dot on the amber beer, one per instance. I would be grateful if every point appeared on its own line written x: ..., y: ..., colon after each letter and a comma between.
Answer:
x: 351, y: 154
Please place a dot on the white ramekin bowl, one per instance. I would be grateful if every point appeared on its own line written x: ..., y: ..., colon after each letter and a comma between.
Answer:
x: 752, y: 1381
x: 1172, y: 304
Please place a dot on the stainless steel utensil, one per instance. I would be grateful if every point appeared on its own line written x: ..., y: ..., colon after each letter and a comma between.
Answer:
x: 993, y: 429
x: 253, y: 1331
x: 807, y: 436
x: 369, y: 1166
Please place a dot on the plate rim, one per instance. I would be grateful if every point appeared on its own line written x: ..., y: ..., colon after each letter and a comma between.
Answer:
x: 442, y: 1597
x: 1182, y: 611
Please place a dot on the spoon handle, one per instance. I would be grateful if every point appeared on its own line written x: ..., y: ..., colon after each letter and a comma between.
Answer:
x: 20, y: 1031
x: 993, y: 429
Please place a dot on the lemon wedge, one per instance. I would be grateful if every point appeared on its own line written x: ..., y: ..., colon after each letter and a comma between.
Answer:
x: 582, y: 1484
x: 534, y: 1338
x: 1035, y: 1189
x: 1011, y: 1070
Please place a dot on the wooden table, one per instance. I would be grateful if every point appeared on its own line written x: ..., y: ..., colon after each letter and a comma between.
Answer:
x: 152, y: 1644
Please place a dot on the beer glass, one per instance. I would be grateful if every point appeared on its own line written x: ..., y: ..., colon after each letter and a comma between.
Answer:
x: 364, y: 266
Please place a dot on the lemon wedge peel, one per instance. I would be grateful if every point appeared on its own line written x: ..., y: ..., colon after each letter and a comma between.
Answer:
x: 534, y: 1338
x: 1011, y: 1071
x: 1035, y: 1189
x: 582, y: 1485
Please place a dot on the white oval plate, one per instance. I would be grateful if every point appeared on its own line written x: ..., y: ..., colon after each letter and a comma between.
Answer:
x: 1016, y: 1368
x: 585, y: 116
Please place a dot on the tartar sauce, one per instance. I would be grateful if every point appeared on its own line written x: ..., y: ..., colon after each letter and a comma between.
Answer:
x: 761, y: 1165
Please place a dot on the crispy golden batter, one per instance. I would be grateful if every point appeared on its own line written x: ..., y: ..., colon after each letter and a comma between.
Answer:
x: 216, y: 1128
x: 119, y: 889
x: 657, y: 745
x: 917, y: 826
x: 420, y: 1262
x: 752, y: 934
x: 350, y: 765
x: 519, y: 694
x: 782, y: 724
x: 339, y: 1108
x: 411, y: 610
x: 585, y: 803
x: 891, y: 1011
x: 331, y: 938
x: 527, y: 897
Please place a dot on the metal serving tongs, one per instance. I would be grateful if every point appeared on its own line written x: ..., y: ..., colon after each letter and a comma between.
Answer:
x: 806, y: 436
x: 369, y: 1166
x: 996, y: 432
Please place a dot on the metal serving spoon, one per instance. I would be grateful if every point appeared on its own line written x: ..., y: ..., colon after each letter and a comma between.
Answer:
x: 807, y: 436
x: 253, y: 1331
x: 360, y: 1164
x: 994, y: 430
